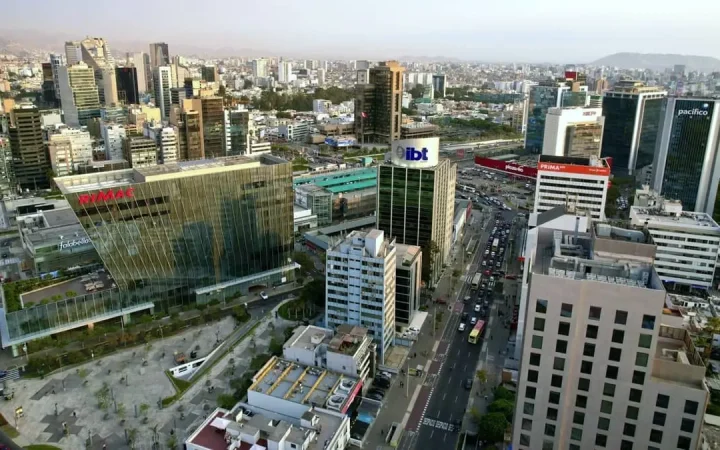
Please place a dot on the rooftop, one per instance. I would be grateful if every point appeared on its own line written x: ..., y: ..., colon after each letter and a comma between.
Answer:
x: 677, y: 360
x: 406, y: 254
x: 573, y: 161
x: 308, y: 337
x: 348, y: 339
x: 664, y: 216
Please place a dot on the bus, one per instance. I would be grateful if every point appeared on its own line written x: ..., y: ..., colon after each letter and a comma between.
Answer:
x: 495, y: 243
x: 476, y: 280
x: 476, y: 332
x: 468, y: 189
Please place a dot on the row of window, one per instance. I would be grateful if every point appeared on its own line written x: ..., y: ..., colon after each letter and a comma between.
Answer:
x: 566, y: 310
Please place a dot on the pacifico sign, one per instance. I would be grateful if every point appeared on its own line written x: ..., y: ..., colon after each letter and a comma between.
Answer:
x: 103, y: 196
x: 694, y: 111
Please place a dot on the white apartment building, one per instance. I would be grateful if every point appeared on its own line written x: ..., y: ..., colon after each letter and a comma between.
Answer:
x: 284, y: 71
x: 113, y: 136
x: 162, y: 82
x: 67, y: 148
x: 575, y: 132
x: 599, y: 368
x: 60, y: 153
x: 360, y: 285
x: 295, y: 131
x: 259, y: 68
x: 577, y: 183
x: 321, y: 106
x: 80, y: 141
x: 166, y: 140
x: 687, y: 242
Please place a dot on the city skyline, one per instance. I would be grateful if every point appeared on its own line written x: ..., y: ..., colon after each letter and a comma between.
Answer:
x: 490, y: 33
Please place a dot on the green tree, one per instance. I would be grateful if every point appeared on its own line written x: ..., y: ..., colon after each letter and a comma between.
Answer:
x: 713, y: 325
x: 247, y: 84
x: 505, y: 407
x: 276, y: 347
x: 481, y: 375
x: 417, y: 91
x: 284, y: 115
x: 226, y: 401
x: 491, y: 427
x: 502, y: 393
x: 306, y: 263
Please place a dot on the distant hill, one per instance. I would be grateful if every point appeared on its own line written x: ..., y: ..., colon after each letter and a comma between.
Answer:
x: 657, y: 61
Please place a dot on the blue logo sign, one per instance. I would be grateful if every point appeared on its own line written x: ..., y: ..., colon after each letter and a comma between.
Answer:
x: 412, y: 154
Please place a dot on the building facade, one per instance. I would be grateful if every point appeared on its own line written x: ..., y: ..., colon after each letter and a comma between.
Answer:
x: 408, y: 281
x: 378, y: 104
x: 162, y: 82
x: 140, y: 151
x: 127, y: 85
x: 29, y: 159
x: 159, y: 54
x: 542, y: 97
x: 439, y: 83
x: 573, y: 132
x: 113, y: 135
x: 78, y: 94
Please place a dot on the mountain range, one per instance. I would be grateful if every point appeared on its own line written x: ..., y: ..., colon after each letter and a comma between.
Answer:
x: 658, y: 61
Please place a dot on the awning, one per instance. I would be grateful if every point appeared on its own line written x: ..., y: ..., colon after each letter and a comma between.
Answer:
x: 220, y: 423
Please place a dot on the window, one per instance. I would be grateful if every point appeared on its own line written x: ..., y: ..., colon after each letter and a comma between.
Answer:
x: 524, y: 439
x: 606, y: 407
x: 573, y: 447
x: 600, y: 440
x: 656, y: 436
x: 530, y: 392
x: 609, y: 390
x: 620, y: 317
x: 534, y: 359
x: 527, y: 424
x: 549, y: 430
x: 615, y: 354
x: 552, y: 414
x: 603, y: 423
x: 632, y: 412
x: 541, y: 306
x: 566, y: 310
x: 626, y: 445
x: 561, y: 346
x: 556, y: 381
x: 537, y: 342
x: 579, y: 417
x: 618, y: 336
x: 641, y: 359
x: 589, y: 350
x: 687, y: 425
x: 648, y: 322
x: 691, y: 407
x: 586, y: 367
x: 638, y: 377
x: 559, y: 363
x: 528, y: 408
x: 645, y: 340
x: 583, y: 384
x: 532, y: 376
x: 662, y: 401
x: 554, y: 398
x: 629, y: 430
x: 591, y: 332
x: 594, y: 313
x: 539, y: 324
x: 683, y: 443
x: 548, y: 444
x: 635, y: 395
x: 564, y: 329
x: 576, y: 434
x: 611, y: 372
x: 581, y: 401
x: 659, y: 419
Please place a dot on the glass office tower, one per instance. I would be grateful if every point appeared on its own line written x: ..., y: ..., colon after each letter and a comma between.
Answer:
x: 685, y: 166
x: 542, y: 97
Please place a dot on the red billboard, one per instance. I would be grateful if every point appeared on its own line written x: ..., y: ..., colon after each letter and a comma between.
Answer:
x: 572, y: 168
x: 104, y: 196
x: 508, y: 167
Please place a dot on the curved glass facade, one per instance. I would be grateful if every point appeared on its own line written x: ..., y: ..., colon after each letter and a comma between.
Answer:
x: 540, y: 100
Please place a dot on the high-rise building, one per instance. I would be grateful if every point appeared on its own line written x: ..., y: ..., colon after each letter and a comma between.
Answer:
x: 685, y: 164
x: 632, y: 116
x: 113, y: 136
x: 140, y: 151
x: 378, y: 104
x: 168, y: 143
x: 162, y: 79
x: 600, y: 368
x: 575, y: 132
x: 67, y: 149
x: 96, y: 54
x: 408, y: 281
x: 439, y: 83
x: 240, y: 132
x: 284, y: 71
x: 320, y: 73
x: 191, y: 141
x: 55, y: 62
x: 127, y: 85
x: 29, y: 158
x: 579, y: 184
x: 78, y: 94
x: 260, y: 68
x: 546, y: 95
x: 415, y: 201
x: 212, y: 122
x: 601, y: 85
x: 209, y: 74
x: 48, y: 85
x: 73, y: 52
x: 177, y: 95
x: 360, y: 286
x: 159, y: 55
x: 141, y: 61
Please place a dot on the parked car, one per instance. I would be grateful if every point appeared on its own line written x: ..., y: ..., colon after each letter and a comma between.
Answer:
x: 263, y: 295
x: 477, y: 307
x: 461, y: 327
x: 473, y: 321
x: 468, y: 383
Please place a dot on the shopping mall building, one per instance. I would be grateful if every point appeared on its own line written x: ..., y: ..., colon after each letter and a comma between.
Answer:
x: 172, y: 234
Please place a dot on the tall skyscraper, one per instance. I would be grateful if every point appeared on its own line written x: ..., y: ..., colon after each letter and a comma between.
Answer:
x: 113, y: 136
x: 96, y: 54
x: 439, y: 83
x: 29, y: 158
x: 78, y: 94
x: 212, y: 124
x: 284, y: 71
x: 55, y: 62
x: 48, y: 85
x: 416, y: 198
x: 141, y: 61
x: 600, y: 366
x: 241, y: 130
x: 378, y: 104
x: 127, y: 84
x: 685, y: 166
x: 162, y: 79
x: 546, y: 95
x: 575, y: 132
x: 159, y: 55
x: 259, y: 68
x: 360, y: 285
x: 632, y: 116
x: 73, y: 52
x: 209, y: 74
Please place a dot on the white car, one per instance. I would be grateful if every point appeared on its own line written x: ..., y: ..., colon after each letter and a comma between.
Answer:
x: 461, y: 327
x: 263, y: 295
x: 473, y: 320
x: 477, y: 308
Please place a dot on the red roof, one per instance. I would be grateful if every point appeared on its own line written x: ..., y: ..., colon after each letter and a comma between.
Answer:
x: 214, y: 439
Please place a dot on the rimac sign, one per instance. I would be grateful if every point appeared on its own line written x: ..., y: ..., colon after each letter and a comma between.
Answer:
x: 418, y: 153
x: 104, y: 196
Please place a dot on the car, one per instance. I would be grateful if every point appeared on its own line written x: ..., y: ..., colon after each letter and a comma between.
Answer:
x: 4, y: 255
x: 464, y: 317
x: 468, y: 383
x: 385, y: 374
x: 414, y: 329
x: 374, y: 397
x: 383, y: 383
x: 263, y: 295
x: 466, y: 299
x: 377, y: 392
x: 477, y: 307
x: 461, y: 327
x: 473, y: 320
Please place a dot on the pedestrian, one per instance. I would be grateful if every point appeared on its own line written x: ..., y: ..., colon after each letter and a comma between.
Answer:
x: 486, y: 398
x: 74, y: 414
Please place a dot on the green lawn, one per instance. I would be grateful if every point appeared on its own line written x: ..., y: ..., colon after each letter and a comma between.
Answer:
x: 42, y: 447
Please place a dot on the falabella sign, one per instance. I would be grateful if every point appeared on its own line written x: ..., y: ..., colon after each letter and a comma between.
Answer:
x: 103, y: 196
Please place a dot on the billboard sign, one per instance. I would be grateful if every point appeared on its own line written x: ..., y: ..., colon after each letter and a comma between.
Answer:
x: 104, y: 196
x: 575, y: 169
x: 506, y: 167
x: 415, y: 153
x: 74, y: 243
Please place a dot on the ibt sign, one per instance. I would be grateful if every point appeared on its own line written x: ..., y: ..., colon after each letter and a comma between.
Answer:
x: 412, y: 154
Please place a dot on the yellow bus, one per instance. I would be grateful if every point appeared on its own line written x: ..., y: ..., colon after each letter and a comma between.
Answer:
x: 476, y: 332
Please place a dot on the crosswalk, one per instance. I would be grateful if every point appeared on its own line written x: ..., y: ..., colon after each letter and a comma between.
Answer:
x: 440, y: 424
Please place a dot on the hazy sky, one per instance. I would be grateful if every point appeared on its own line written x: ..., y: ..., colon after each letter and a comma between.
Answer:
x: 494, y: 30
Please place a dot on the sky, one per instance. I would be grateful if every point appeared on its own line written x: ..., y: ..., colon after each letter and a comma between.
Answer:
x: 516, y: 30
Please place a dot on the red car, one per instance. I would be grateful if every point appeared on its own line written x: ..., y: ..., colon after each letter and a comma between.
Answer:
x: 441, y: 300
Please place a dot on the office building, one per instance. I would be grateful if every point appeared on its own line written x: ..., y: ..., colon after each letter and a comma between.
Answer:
x: 95, y: 52
x: 240, y: 132
x: 55, y: 62
x: 190, y: 143
x: 49, y: 95
x: 574, y: 132
x: 127, y: 85
x: 140, y: 151
x: 177, y: 95
x: 687, y: 243
x: 73, y: 52
x: 546, y: 95
x: 209, y: 74
x: 685, y: 165
x: 295, y: 131
x: 260, y: 68
x: 321, y: 106
x: 415, y: 201
x: 579, y: 184
x: 632, y: 114
x: 408, y: 281
x: 30, y: 164
x: 439, y: 83
x: 113, y: 135
x: 212, y: 124
x: 167, y: 140
x: 360, y: 286
x: 320, y: 75
x: 141, y: 62
x: 69, y: 148
x: 599, y: 367
x: 595, y: 101
x: 78, y: 94
x: 601, y: 85
x: 159, y: 55
x: 284, y: 71
x: 162, y: 80
x: 378, y: 107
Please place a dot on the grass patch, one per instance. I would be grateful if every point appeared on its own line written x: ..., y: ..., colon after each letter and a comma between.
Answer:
x: 10, y: 431
x: 42, y: 447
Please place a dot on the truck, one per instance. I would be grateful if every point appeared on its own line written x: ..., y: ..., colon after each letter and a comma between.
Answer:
x: 495, y: 243
x: 476, y: 280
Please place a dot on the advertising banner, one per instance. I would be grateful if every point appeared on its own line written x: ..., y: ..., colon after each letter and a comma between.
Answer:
x: 416, y: 153
x: 572, y: 168
x: 507, y: 167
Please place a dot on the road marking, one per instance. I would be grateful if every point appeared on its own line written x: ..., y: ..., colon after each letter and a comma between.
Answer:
x: 444, y: 395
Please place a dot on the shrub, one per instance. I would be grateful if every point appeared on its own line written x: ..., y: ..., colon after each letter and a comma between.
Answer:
x: 226, y: 401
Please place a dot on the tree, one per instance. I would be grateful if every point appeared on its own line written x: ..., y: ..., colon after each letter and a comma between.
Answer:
x: 417, y: 91
x: 284, y: 115
x: 456, y: 273
x: 172, y: 442
x: 247, y: 84
x: 713, y: 325
x: 502, y: 393
x: 226, y: 401
x: 306, y: 263
x: 276, y: 347
x: 504, y: 407
x: 437, y: 94
x: 481, y: 376
x: 491, y: 427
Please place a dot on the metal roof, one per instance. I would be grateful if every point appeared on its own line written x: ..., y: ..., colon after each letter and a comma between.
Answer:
x: 352, y: 186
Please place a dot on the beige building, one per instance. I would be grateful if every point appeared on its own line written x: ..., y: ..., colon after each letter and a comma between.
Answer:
x: 78, y: 94
x: 140, y: 151
x: 599, y: 369
x: 378, y: 104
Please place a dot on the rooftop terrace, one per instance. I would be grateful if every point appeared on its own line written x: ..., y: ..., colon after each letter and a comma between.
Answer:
x: 703, y: 221
x: 677, y: 360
